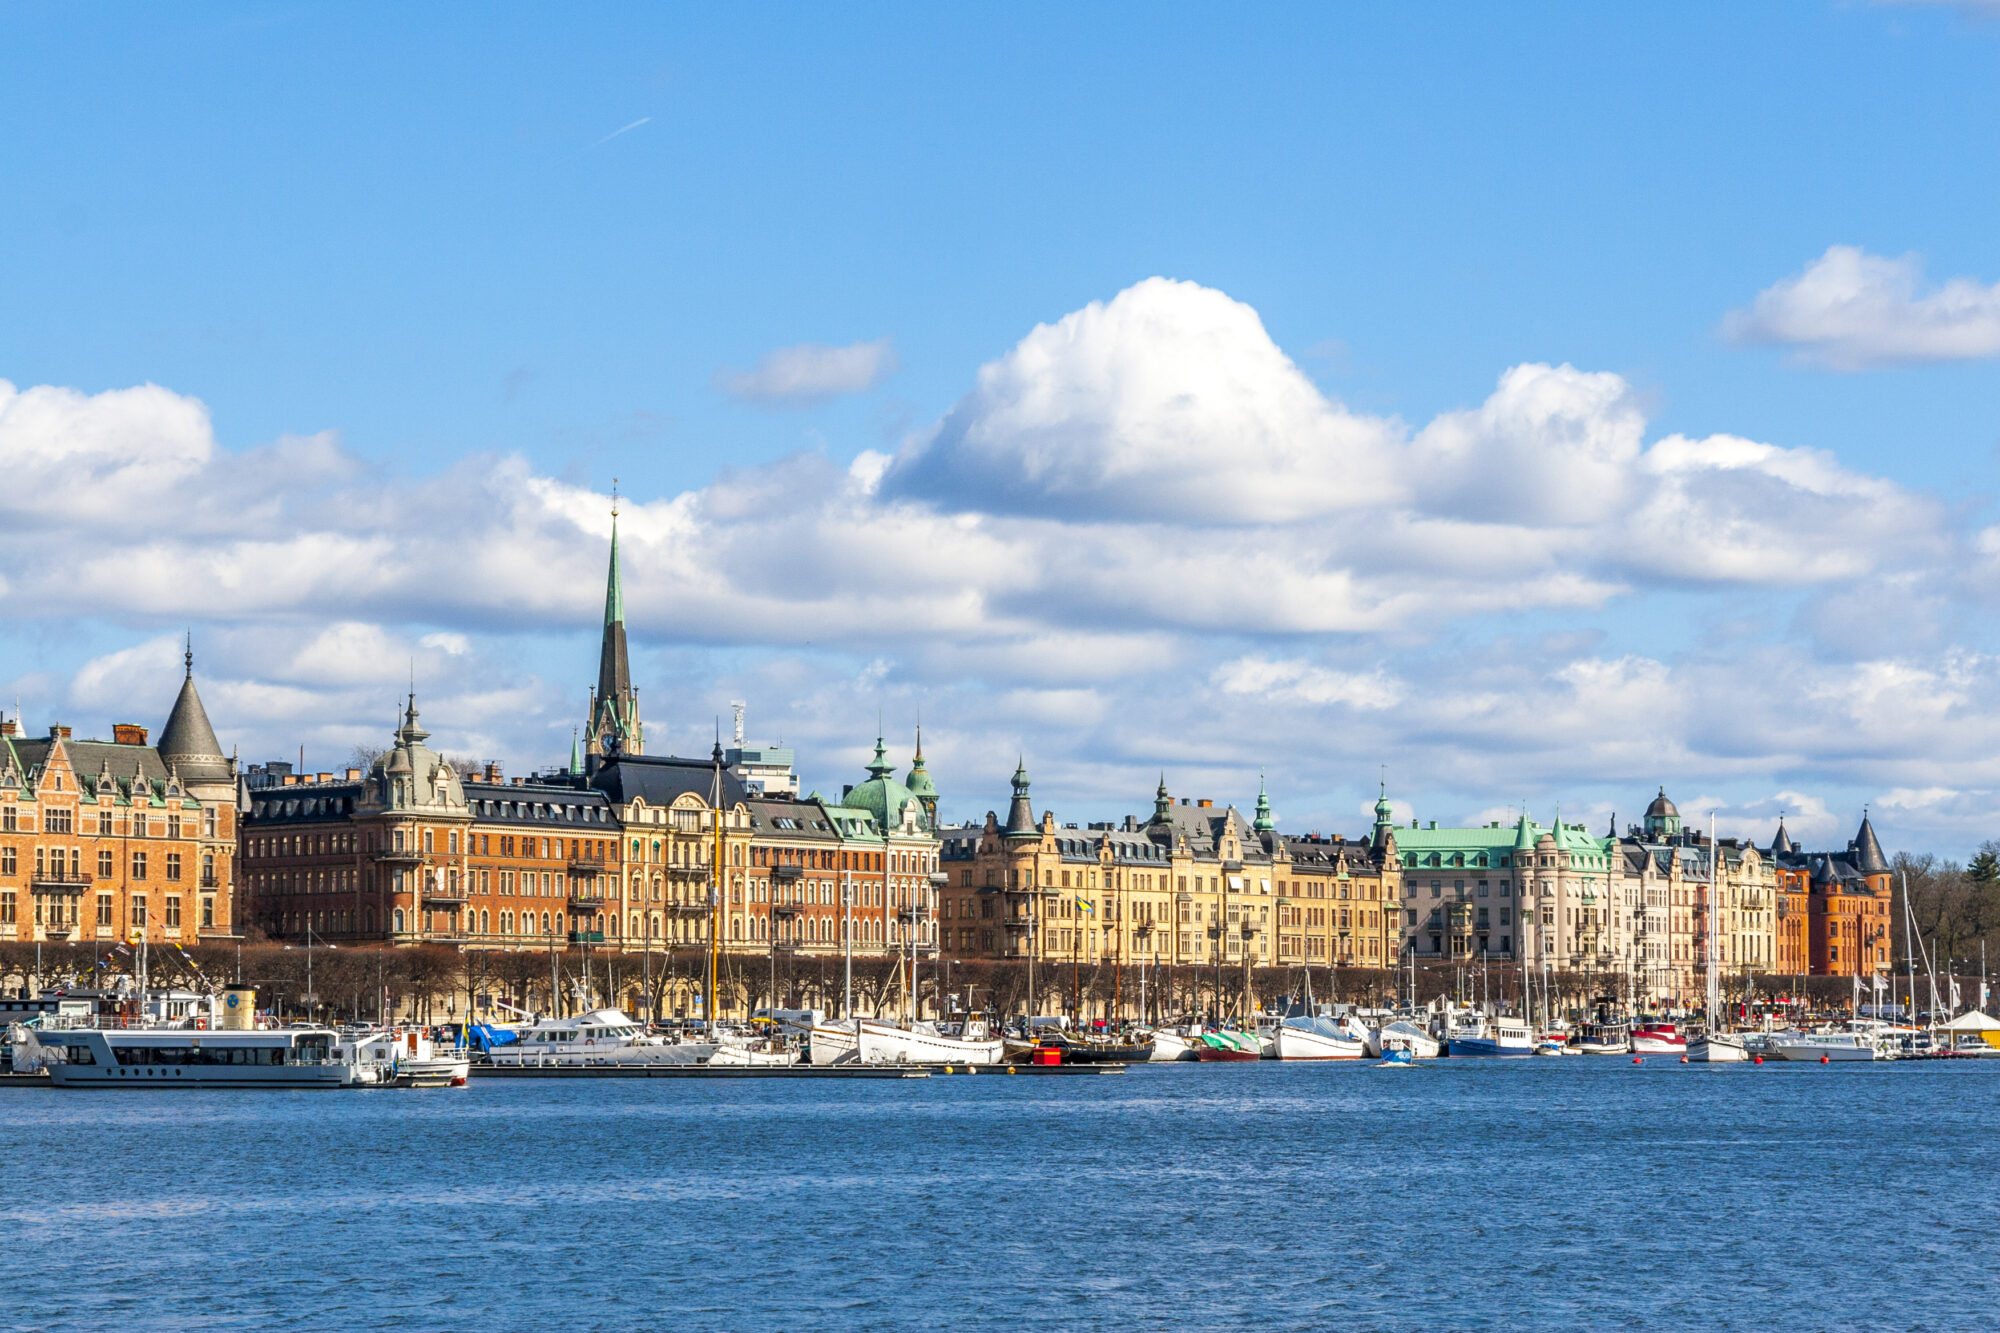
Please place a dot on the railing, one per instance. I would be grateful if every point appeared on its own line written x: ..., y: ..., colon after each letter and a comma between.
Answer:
x: 586, y: 902
x: 400, y: 856
x: 788, y: 874
x: 61, y: 881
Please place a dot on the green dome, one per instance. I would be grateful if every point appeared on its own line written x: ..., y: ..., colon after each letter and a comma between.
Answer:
x: 881, y: 795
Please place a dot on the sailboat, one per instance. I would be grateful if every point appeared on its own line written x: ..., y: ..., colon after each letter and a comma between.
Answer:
x: 1303, y: 1034
x: 1714, y: 1046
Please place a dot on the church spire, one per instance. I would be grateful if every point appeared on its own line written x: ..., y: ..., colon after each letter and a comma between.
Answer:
x: 614, y: 709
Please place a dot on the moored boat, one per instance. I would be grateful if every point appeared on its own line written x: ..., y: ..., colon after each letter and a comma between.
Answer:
x: 1829, y: 1047
x: 1313, y: 1037
x: 1715, y: 1048
x: 1403, y: 1035
x: 181, y: 1058
x: 1607, y: 1038
x: 1473, y: 1034
x: 600, y: 1038
x: 1658, y: 1039
x: 1227, y: 1046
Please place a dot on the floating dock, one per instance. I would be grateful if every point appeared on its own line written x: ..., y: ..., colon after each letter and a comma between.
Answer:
x: 778, y: 1071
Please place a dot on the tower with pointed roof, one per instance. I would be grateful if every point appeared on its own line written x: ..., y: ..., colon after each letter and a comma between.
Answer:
x: 921, y: 786
x: 1264, y: 822
x: 1021, y: 811
x: 614, y: 726
x: 187, y: 743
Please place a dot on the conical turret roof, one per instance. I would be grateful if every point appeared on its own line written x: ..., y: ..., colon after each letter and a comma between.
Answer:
x: 1782, y: 845
x: 187, y: 742
x: 1867, y: 851
x: 1021, y: 812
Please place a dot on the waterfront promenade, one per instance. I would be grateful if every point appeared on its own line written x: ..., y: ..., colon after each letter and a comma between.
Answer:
x: 1475, y: 1194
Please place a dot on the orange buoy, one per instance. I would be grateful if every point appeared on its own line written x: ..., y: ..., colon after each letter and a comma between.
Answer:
x: 1684, y: 1059
x: 1638, y: 1060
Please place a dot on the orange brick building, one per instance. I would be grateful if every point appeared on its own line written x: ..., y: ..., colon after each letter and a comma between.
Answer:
x: 118, y: 840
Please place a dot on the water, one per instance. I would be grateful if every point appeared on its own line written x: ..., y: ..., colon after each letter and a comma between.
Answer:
x: 1464, y: 1194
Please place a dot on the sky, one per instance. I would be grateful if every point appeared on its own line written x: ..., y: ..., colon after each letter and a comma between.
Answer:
x: 1523, y: 408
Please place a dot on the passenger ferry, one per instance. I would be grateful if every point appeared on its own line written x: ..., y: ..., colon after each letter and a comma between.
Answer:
x: 179, y: 1058
x: 1472, y: 1033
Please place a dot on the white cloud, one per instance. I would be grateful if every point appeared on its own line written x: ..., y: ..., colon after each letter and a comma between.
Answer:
x: 1142, y: 538
x: 1850, y: 310
x: 810, y: 373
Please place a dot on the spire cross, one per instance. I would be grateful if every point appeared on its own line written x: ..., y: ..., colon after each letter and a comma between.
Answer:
x: 614, y: 497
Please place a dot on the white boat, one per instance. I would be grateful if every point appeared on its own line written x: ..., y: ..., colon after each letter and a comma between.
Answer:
x: 1403, y: 1035
x: 1715, y: 1048
x: 1822, y: 1046
x: 600, y: 1038
x: 1170, y: 1045
x: 835, y: 1043
x: 184, y: 1058
x: 1313, y: 1037
x: 922, y: 1043
x: 408, y: 1059
x: 768, y: 1054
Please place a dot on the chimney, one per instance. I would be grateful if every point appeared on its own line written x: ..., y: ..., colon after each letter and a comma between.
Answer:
x: 291, y: 779
x: 8, y: 726
x: 326, y: 777
x: 353, y: 775
x: 58, y: 733
x: 492, y: 772
x: 127, y: 733
x: 1206, y: 805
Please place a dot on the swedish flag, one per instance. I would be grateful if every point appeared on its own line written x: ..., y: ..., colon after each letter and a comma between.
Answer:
x: 1083, y: 904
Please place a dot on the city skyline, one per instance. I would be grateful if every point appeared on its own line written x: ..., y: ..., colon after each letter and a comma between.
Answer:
x: 1299, y: 441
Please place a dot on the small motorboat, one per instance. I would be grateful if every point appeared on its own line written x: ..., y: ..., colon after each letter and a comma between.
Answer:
x: 1397, y: 1057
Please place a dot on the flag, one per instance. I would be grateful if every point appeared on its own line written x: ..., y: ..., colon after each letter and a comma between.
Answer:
x: 1084, y: 905
x: 1954, y: 993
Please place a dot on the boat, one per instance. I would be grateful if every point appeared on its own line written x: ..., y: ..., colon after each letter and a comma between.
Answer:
x: 1605, y: 1038
x: 1658, y: 1039
x: 1227, y: 1047
x: 1172, y: 1045
x: 839, y: 1043
x: 182, y: 1058
x: 1403, y: 1035
x: 409, y: 1059
x: 769, y: 1053
x: 922, y: 1043
x: 1315, y: 1037
x: 1473, y: 1034
x: 1822, y: 1046
x: 598, y: 1039
x: 1715, y: 1048
x: 1098, y: 1051
x: 1397, y: 1058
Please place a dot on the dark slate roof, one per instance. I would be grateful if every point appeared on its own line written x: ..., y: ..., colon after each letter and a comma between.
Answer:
x: 803, y: 820
x: 540, y: 805
x: 128, y: 764
x: 303, y: 802
x: 1782, y: 844
x: 1868, y: 852
x: 960, y: 842
x: 658, y: 779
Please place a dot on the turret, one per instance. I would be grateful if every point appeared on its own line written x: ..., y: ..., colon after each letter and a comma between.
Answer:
x: 1021, y: 812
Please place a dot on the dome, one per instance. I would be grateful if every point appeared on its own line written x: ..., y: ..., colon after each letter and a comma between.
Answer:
x: 1662, y: 808
x: 412, y: 773
x: 882, y: 796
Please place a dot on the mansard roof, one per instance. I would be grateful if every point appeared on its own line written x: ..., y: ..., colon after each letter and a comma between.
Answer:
x: 659, y: 779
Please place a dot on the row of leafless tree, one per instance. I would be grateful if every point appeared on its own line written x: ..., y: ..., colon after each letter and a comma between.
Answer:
x: 1955, y: 909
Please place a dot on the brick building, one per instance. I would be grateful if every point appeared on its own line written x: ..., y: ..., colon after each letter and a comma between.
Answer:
x: 117, y: 840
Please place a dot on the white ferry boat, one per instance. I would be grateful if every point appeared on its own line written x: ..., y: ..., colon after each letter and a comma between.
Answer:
x: 602, y: 1037
x: 1472, y: 1033
x: 181, y: 1058
x: 410, y: 1060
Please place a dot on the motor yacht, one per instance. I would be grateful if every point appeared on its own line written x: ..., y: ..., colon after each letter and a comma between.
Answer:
x: 406, y: 1058
x: 1827, y: 1046
x: 1715, y: 1048
x: 1658, y: 1039
x: 183, y: 1058
x: 1473, y: 1034
x: 599, y: 1038
x: 1403, y: 1035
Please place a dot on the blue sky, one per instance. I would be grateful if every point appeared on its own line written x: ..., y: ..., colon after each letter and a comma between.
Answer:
x: 425, y: 246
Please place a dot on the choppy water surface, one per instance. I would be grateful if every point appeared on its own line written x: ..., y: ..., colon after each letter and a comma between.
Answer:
x: 1467, y: 1194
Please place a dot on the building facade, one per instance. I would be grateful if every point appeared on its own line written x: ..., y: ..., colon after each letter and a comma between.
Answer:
x: 117, y: 841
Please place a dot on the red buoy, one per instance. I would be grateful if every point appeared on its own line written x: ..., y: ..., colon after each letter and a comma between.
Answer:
x: 1684, y: 1059
x: 1823, y: 1059
x: 1757, y: 1060
x: 1638, y: 1060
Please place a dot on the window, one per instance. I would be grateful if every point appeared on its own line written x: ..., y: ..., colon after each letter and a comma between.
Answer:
x: 104, y: 910
x: 61, y: 821
x: 173, y: 865
x: 173, y: 911
x: 138, y: 913
x: 105, y: 869
x: 9, y: 818
x: 208, y: 912
x: 138, y: 865
x: 7, y: 908
x: 399, y: 920
x: 8, y: 865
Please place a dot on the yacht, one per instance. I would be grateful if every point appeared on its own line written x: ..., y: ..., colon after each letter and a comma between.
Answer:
x: 1229, y: 1046
x: 1172, y: 1045
x: 1817, y: 1046
x: 600, y: 1038
x: 184, y: 1058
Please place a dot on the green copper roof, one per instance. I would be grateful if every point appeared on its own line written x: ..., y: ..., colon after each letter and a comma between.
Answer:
x: 614, y: 589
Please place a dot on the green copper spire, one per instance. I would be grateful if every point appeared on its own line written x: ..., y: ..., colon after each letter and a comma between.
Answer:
x: 575, y: 754
x: 1264, y: 823
x: 614, y: 589
x: 881, y: 767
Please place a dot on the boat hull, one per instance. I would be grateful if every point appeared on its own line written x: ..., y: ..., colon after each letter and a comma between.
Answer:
x: 1407, y: 1037
x: 1717, y: 1049
x: 1170, y: 1048
x: 1485, y: 1047
x: 1225, y: 1055
x: 882, y: 1044
x: 1812, y: 1053
x: 1304, y: 1044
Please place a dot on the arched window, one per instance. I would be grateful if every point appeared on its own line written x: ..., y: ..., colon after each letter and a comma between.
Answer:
x: 634, y: 929
x: 399, y: 920
x: 545, y: 923
x: 483, y: 923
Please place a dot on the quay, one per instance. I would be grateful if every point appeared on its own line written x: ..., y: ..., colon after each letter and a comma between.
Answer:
x: 782, y: 1071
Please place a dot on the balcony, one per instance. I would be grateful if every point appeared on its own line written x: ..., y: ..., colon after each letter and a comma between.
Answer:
x: 444, y: 897
x: 586, y: 937
x: 788, y: 874
x: 211, y: 881
x: 587, y: 869
x: 58, y: 881
x: 582, y: 900
x: 399, y: 856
